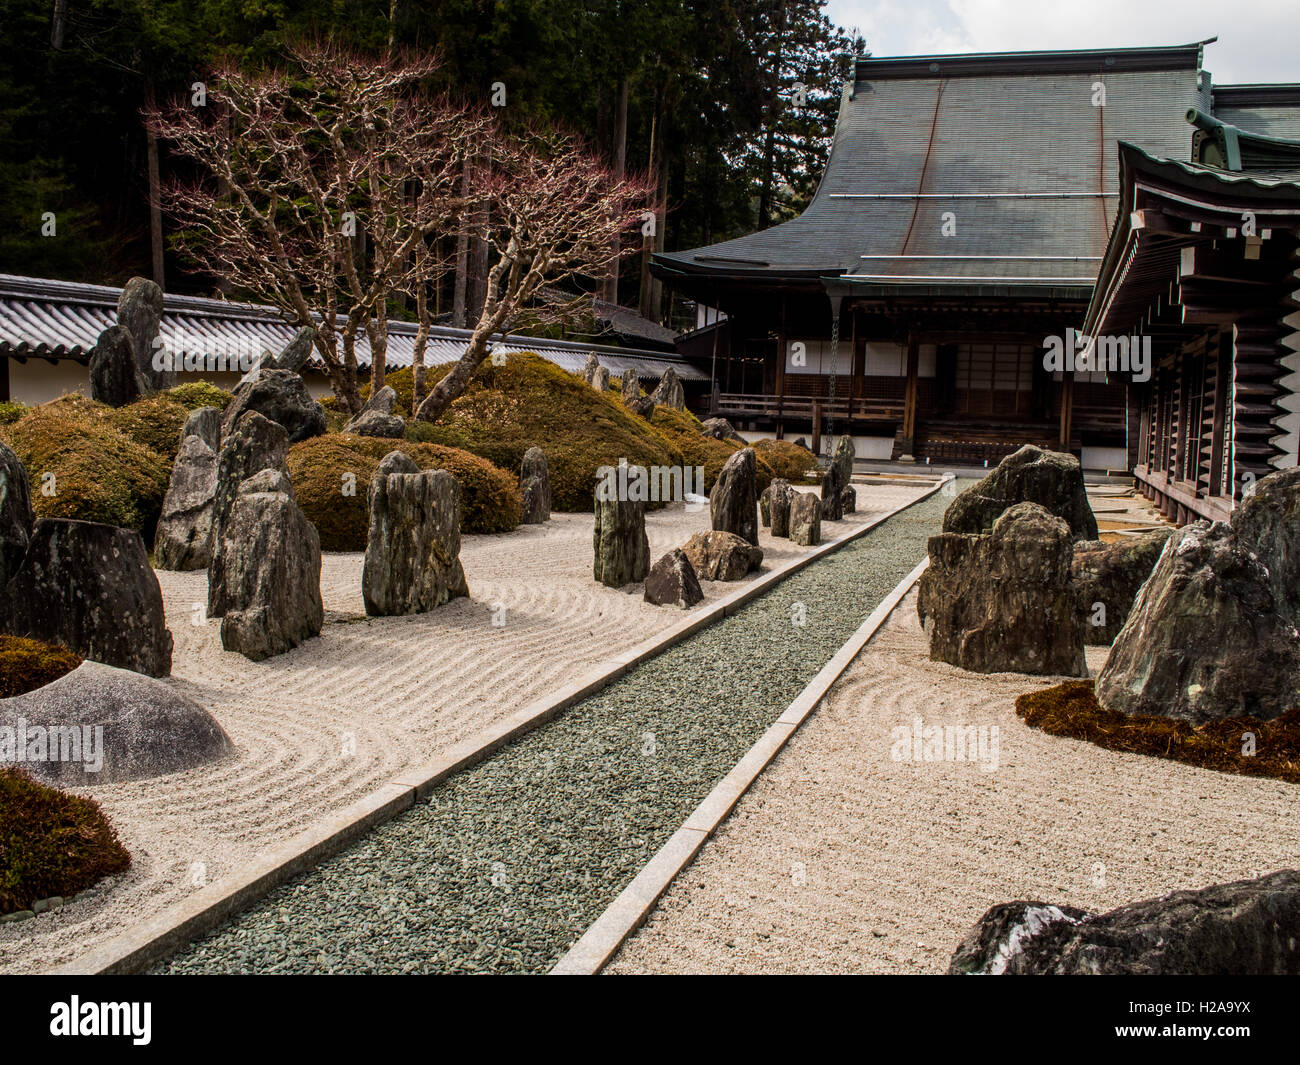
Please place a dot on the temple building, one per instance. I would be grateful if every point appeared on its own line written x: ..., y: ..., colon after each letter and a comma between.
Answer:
x: 956, y: 236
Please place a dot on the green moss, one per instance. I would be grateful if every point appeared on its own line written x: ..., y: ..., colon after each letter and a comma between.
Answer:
x: 532, y: 402
x: 26, y: 665
x: 195, y: 394
x: 1071, y: 709
x: 51, y: 843
x: 100, y: 472
x: 489, y: 497
x: 11, y: 411
x: 682, y: 431
x: 797, y: 465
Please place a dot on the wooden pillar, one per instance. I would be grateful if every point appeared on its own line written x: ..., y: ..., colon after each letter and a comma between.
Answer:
x: 782, y: 342
x: 908, y: 444
x: 4, y: 379
x: 1067, y: 409
x: 817, y: 427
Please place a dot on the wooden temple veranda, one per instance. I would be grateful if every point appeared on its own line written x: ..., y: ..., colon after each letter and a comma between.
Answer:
x: 965, y: 212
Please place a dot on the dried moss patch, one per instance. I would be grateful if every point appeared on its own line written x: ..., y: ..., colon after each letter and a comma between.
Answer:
x: 787, y: 459
x: 318, y: 467
x: 682, y: 431
x: 51, y: 843
x: 1071, y: 709
x: 26, y: 665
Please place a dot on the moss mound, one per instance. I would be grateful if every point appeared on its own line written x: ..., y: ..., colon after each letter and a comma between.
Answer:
x: 529, y: 401
x: 51, y: 843
x: 1071, y: 709
x: 156, y: 421
x: 403, y: 383
x: 26, y: 665
x: 11, y: 411
x: 789, y: 460
x: 489, y: 497
x: 682, y: 431
x: 101, y: 473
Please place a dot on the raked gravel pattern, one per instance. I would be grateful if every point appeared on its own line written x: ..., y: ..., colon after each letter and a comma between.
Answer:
x: 513, y: 859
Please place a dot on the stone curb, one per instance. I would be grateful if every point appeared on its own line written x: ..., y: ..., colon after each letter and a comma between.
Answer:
x: 146, y: 943
x: 626, y: 913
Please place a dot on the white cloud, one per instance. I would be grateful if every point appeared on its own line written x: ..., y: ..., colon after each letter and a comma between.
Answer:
x: 1256, y: 37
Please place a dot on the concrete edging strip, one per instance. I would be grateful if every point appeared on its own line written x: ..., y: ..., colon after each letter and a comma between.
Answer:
x: 625, y: 914
x: 190, y: 918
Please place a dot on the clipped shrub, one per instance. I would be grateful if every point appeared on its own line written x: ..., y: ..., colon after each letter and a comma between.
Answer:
x: 532, y: 402
x: 51, y: 843
x: 489, y: 497
x: 787, y: 459
x: 195, y: 394
x: 26, y: 665
x: 1071, y: 709
x: 682, y: 431
x: 101, y: 473
x: 156, y: 421
x: 11, y: 411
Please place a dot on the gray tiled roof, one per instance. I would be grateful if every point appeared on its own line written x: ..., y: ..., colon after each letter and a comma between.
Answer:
x: 1273, y: 110
x: 62, y: 319
x: 1017, y: 136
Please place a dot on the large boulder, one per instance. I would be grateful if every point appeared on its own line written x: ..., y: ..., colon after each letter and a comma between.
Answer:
x: 1051, y: 479
x: 1204, y: 640
x: 774, y: 506
x: 413, y: 548
x: 848, y: 499
x: 293, y: 356
x: 113, y: 378
x: 90, y: 588
x: 139, y: 312
x: 269, y: 571
x: 733, y: 502
x: 722, y: 556
x: 1003, y: 602
x: 589, y: 368
x: 535, y: 488
x: 669, y: 391
x: 1111, y: 574
x: 842, y: 463
x: 619, y: 542
x: 721, y: 429
x: 672, y: 581
x: 282, y: 397
x: 805, y: 519
x: 16, y: 517
x: 377, y: 419
x: 184, y: 537
x: 109, y: 725
x: 830, y: 496
x: 1244, y: 928
x: 1269, y: 521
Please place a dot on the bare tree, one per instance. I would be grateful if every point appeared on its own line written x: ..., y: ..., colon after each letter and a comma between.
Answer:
x: 553, y: 220
x: 324, y: 189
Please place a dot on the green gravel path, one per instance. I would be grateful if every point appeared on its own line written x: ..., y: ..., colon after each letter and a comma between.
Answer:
x: 514, y: 858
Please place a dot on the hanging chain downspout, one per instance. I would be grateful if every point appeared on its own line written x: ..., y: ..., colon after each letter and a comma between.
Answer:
x: 835, y: 354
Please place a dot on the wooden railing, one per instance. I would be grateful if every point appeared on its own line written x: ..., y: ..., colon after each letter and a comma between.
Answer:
x: 858, y: 408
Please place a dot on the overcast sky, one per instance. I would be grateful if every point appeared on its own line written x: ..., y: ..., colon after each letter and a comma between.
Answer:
x: 1257, y: 38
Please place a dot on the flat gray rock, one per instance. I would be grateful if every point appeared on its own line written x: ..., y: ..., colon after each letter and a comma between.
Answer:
x: 146, y: 728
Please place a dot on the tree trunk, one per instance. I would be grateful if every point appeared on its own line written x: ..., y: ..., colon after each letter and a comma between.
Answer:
x: 421, y: 342
x: 478, y: 250
x: 620, y: 168
x: 646, y: 295
x: 458, y: 317
x: 453, y: 384
x: 155, y: 197
x: 769, y: 143
x: 57, y: 26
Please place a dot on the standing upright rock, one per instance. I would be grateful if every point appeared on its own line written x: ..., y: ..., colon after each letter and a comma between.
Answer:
x: 255, y: 444
x: 16, y: 517
x: 293, y: 356
x: 1206, y: 639
x: 669, y: 391
x: 589, y: 368
x: 733, y: 502
x: 377, y: 419
x: 631, y: 388
x: 831, y: 498
x: 1003, y: 602
x: 1051, y: 479
x: 842, y: 463
x: 113, y: 379
x: 413, y: 547
x: 622, y: 549
x: 270, y: 571
x: 535, y: 488
x: 205, y: 423
x: 139, y: 312
x: 805, y: 519
x: 184, y: 537
x: 1269, y: 521
x: 90, y: 588
x: 774, y: 505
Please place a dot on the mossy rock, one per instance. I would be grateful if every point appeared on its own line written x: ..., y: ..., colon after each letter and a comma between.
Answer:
x: 530, y: 402
x: 490, y: 500
x: 682, y: 430
x: 787, y: 459
x: 101, y: 473
x: 26, y: 665
x: 51, y: 843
